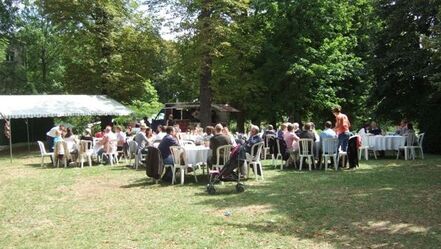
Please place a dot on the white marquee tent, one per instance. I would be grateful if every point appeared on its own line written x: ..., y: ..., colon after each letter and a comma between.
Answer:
x: 49, y: 106
x: 42, y: 106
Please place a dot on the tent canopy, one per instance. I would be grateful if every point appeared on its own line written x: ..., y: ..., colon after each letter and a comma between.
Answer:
x: 43, y: 106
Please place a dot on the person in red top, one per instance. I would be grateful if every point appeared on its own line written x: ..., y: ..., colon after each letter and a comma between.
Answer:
x: 342, y: 126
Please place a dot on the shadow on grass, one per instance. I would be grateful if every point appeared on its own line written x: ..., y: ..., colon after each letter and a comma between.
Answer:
x: 392, y: 205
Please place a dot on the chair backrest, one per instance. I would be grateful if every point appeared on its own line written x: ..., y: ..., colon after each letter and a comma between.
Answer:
x: 177, y: 153
x: 364, y: 139
x: 85, y: 145
x: 133, y: 147
x: 329, y: 146
x: 420, y: 139
x: 411, y: 139
x: 42, y: 148
x: 113, y: 146
x: 223, y: 152
x: 268, y: 137
x: 60, y: 148
x: 306, y: 147
x: 256, y: 150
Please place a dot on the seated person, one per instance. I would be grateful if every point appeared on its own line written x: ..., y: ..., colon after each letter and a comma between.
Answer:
x: 120, y: 138
x: 411, y: 133
x: 307, y: 132
x: 365, y: 129
x: 327, y: 133
x: 216, y: 141
x: 254, y: 139
x: 291, y: 139
x: 374, y: 129
x: 227, y: 132
x: 297, y: 129
x: 107, y: 143
x: 402, y: 128
x: 164, y: 147
x: 141, y: 138
x: 209, y: 132
x: 160, y: 134
x: 282, y: 131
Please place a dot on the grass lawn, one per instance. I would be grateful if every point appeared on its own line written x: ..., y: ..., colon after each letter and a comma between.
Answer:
x: 383, y: 204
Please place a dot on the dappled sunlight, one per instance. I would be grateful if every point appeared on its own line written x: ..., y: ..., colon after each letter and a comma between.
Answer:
x: 390, y: 227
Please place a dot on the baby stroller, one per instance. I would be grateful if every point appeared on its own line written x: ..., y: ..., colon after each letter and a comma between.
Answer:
x: 227, y: 173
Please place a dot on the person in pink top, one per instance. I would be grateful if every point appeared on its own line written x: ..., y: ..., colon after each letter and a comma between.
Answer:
x: 342, y: 126
x: 291, y: 139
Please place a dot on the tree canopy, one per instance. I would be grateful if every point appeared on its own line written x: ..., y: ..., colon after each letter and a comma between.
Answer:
x: 274, y: 60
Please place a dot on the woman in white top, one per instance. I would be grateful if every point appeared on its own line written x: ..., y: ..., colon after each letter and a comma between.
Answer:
x: 227, y: 132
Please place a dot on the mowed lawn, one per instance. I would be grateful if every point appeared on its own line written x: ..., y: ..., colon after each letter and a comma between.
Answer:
x: 383, y: 204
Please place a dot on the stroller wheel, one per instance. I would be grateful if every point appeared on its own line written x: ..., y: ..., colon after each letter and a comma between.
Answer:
x: 240, y: 188
x: 211, y: 190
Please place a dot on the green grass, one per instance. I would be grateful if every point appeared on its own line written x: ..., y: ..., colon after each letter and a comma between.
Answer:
x: 383, y: 204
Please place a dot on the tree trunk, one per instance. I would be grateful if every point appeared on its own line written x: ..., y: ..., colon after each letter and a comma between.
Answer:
x: 205, y: 93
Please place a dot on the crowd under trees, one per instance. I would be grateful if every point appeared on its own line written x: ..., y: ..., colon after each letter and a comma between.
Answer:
x: 273, y: 60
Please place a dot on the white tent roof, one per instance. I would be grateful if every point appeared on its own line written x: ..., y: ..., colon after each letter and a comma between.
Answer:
x: 40, y: 106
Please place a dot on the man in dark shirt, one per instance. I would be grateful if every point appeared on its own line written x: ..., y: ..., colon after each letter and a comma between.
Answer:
x: 307, y: 132
x: 168, y: 141
x: 216, y: 141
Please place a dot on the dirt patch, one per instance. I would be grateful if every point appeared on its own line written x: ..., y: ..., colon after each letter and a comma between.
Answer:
x: 95, y: 187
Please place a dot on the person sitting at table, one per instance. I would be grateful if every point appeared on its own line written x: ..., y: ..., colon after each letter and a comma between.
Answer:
x: 402, y: 128
x: 106, y: 143
x: 268, y: 132
x: 164, y: 147
x: 411, y: 133
x: 374, y: 129
x: 209, y: 132
x: 149, y: 135
x: 100, y: 134
x: 141, y: 137
x: 160, y: 134
x: 120, y: 138
x: 227, y: 133
x: 69, y: 138
x: 307, y: 132
x: 216, y: 141
x: 364, y: 130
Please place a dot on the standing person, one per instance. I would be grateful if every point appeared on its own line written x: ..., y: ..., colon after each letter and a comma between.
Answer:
x: 50, y: 136
x: 342, y: 126
x: 170, y: 120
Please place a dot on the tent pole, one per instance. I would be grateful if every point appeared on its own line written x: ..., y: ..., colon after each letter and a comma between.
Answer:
x: 27, y: 130
x: 10, y: 140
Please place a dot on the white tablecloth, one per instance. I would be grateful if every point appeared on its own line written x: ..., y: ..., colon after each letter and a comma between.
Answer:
x: 385, y: 142
x: 197, y: 154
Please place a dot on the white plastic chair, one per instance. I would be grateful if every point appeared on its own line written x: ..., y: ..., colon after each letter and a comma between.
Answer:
x: 420, y: 144
x: 254, y: 159
x: 60, y: 150
x: 365, y: 148
x: 85, y: 151
x: 306, y: 151
x: 222, y: 153
x: 278, y: 156
x: 329, y: 150
x: 133, y: 152
x: 43, y: 152
x: 266, y: 149
x: 408, y: 146
x: 113, y: 153
x: 178, y: 153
